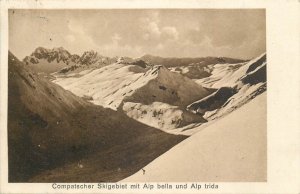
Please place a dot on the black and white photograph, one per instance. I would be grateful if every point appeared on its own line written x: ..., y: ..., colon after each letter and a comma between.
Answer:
x: 137, y: 95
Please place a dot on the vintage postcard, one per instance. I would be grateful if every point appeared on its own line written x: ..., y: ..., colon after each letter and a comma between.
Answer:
x: 149, y: 97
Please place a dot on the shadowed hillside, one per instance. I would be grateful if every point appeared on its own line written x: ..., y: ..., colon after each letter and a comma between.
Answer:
x: 55, y: 136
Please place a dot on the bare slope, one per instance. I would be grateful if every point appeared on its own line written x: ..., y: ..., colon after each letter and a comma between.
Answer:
x: 55, y: 136
x: 231, y: 149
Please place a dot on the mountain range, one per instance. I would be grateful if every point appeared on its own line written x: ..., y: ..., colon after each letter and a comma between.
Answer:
x: 174, y: 62
x: 59, y: 59
x: 129, y: 110
x: 164, y: 98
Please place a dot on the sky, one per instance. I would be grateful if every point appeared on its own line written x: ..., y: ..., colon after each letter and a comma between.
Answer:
x: 239, y: 33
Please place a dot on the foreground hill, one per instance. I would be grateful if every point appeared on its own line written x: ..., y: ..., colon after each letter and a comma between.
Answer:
x: 230, y: 149
x: 55, y: 136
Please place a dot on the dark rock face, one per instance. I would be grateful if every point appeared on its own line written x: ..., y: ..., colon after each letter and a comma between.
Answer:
x: 89, y: 57
x: 140, y: 63
x: 256, y: 76
x: 258, y: 63
x: 213, y: 101
x: 51, y: 55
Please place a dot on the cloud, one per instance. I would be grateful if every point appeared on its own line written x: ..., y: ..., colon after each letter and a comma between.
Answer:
x: 122, y: 50
x: 153, y: 30
x: 149, y: 27
x: 78, y: 37
x: 170, y: 32
x: 180, y: 33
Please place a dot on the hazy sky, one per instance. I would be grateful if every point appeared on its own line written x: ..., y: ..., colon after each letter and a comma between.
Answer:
x: 166, y: 32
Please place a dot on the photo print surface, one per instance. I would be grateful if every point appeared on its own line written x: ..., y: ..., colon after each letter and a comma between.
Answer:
x: 137, y: 95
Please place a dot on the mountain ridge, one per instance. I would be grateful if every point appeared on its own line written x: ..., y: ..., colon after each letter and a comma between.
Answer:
x: 67, y: 62
x: 64, y: 60
x: 182, y: 61
x: 135, y: 90
x: 51, y: 131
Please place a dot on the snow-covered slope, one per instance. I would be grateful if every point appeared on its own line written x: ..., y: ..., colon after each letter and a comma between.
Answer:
x: 237, y: 84
x: 151, y: 95
x: 106, y: 86
x: 231, y: 149
x: 161, y: 115
x: 165, y: 86
x: 192, y: 71
x: 227, y: 75
x: 111, y: 85
x: 168, y: 100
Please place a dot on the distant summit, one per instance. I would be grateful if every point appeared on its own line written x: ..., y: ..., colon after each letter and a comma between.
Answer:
x: 58, y: 54
x: 59, y: 59
x: 90, y: 57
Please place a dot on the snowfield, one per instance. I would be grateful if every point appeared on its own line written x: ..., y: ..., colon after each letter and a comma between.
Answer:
x: 227, y: 75
x: 107, y: 86
x: 231, y: 149
x: 154, y: 95
x: 216, y: 107
x: 164, y: 98
x: 161, y: 115
x: 248, y: 80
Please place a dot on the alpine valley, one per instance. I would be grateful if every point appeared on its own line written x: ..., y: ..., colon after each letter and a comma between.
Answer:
x: 92, y: 118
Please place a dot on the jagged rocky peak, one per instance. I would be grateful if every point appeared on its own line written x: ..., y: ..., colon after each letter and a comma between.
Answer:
x: 89, y: 57
x: 61, y: 55
x: 93, y: 57
x: 40, y: 50
x: 90, y: 54
x: 57, y: 54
